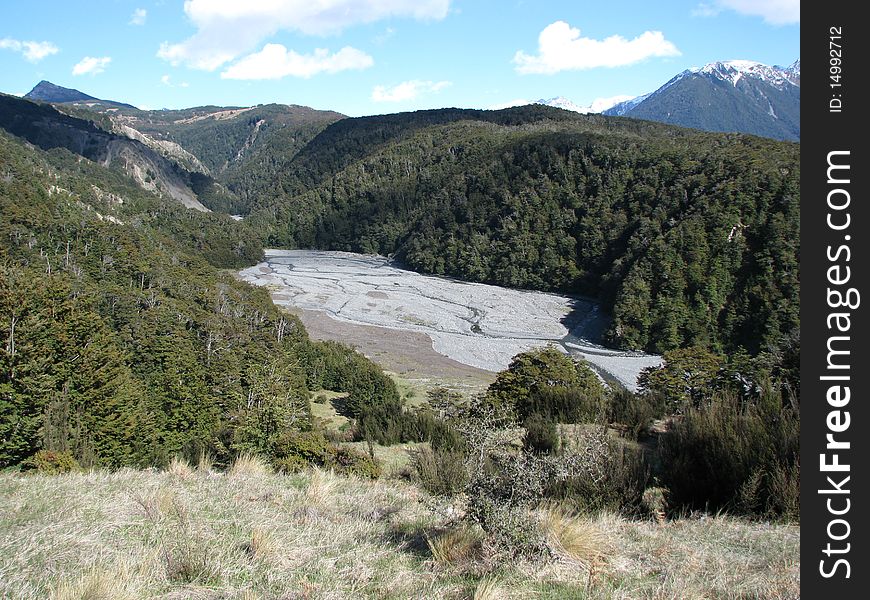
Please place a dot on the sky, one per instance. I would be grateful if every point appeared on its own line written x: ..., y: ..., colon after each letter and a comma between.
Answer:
x: 363, y: 57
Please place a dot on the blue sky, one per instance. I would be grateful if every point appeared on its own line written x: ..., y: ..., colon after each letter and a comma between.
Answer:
x: 379, y: 56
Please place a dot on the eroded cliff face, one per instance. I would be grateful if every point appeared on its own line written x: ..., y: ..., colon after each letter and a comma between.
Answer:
x: 48, y: 128
x: 150, y: 170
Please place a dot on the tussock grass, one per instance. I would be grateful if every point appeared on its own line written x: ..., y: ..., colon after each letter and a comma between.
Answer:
x: 96, y: 584
x: 575, y: 537
x: 150, y: 534
x: 489, y: 589
x: 321, y: 485
x: 249, y: 465
x: 205, y: 466
x: 456, y: 545
x: 179, y: 467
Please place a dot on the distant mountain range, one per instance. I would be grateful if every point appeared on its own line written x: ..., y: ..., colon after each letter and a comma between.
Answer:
x: 597, y: 106
x: 45, y: 91
x: 730, y: 96
x: 727, y: 96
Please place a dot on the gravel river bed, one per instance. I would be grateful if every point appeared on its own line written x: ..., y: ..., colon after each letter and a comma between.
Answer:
x: 474, y: 324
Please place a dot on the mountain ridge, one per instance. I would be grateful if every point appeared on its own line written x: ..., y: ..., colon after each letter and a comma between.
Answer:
x: 46, y: 91
x: 740, y: 96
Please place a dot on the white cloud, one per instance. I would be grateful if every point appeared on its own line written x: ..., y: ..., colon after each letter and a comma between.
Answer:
x: 138, y: 17
x: 32, y: 51
x: 275, y: 61
x: 90, y: 65
x: 167, y: 81
x: 407, y: 90
x: 706, y: 10
x: 226, y: 29
x: 775, y: 12
x: 381, y: 38
x: 560, y: 48
x: 601, y: 104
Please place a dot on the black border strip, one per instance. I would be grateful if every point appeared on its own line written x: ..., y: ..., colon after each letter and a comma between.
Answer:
x: 834, y: 116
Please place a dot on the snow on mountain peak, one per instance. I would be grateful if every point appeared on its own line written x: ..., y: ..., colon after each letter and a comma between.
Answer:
x: 597, y: 106
x: 733, y: 71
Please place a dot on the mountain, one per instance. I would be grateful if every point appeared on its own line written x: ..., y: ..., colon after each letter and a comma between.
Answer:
x: 598, y: 105
x: 45, y: 91
x: 727, y: 96
x: 47, y: 127
x: 231, y: 146
x: 530, y: 197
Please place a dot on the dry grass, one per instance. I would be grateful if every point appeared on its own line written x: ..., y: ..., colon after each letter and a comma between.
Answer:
x: 178, y: 467
x: 149, y: 534
x: 205, y: 466
x: 488, y: 589
x: 575, y: 537
x: 321, y: 486
x: 455, y: 545
x: 249, y: 465
x: 96, y: 584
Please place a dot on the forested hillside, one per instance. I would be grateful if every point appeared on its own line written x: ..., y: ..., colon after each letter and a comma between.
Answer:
x: 238, y: 146
x: 121, y: 343
x: 688, y: 238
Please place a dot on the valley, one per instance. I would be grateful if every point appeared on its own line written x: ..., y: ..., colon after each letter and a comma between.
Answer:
x: 478, y: 325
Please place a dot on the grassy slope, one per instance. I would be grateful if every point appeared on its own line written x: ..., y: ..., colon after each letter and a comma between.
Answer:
x: 187, y: 534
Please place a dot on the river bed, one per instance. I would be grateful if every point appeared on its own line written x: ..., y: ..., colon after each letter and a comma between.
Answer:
x: 478, y: 325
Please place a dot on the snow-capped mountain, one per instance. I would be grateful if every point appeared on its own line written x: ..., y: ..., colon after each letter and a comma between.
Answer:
x: 598, y: 105
x: 734, y: 95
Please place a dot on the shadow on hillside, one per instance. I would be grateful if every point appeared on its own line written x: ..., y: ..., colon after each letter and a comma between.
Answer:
x: 411, y: 539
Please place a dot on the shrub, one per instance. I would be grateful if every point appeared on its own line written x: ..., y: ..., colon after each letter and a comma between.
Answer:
x: 445, y: 437
x: 634, y: 411
x: 614, y: 480
x: 51, y: 462
x: 350, y: 461
x: 299, y: 450
x: 306, y: 447
x: 440, y: 472
x: 655, y: 503
x: 733, y: 455
x: 565, y: 404
x: 542, y: 436
x: 521, y: 387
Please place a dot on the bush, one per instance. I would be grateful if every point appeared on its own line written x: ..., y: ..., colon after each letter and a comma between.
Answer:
x: 350, y: 461
x: 445, y: 437
x: 297, y: 451
x: 51, y: 462
x: 615, y: 482
x: 542, y: 436
x: 565, y: 404
x: 440, y: 472
x: 308, y: 447
x: 736, y: 456
x: 522, y: 388
x: 634, y: 411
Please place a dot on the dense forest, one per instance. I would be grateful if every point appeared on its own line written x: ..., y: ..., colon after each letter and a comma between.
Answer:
x: 122, y: 341
x: 688, y: 238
